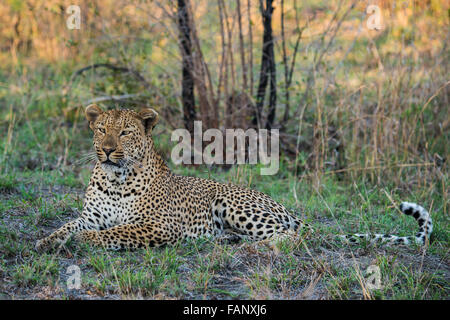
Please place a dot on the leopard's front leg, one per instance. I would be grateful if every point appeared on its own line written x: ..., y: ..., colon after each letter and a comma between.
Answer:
x: 131, y: 236
x: 60, y: 236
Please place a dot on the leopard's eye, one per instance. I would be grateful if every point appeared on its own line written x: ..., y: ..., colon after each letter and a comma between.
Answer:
x: 125, y: 133
x: 102, y: 130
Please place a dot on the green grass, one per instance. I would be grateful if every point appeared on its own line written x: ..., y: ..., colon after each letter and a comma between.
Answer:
x: 35, y: 202
x: 42, y: 270
x: 205, y: 269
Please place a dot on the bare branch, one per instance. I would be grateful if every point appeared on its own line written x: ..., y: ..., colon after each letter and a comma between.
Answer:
x: 134, y: 73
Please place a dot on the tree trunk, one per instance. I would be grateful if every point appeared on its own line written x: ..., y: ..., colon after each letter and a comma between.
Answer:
x: 267, y: 68
x: 187, y: 82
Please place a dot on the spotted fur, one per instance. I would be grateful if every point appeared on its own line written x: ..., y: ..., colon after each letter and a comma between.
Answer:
x: 133, y: 200
x: 422, y: 217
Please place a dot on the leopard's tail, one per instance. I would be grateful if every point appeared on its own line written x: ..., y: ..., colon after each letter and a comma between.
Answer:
x: 422, y: 217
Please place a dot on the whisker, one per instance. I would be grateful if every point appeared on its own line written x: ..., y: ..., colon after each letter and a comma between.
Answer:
x: 86, y: 158
x: 135, y: 162
x: 84, y: 161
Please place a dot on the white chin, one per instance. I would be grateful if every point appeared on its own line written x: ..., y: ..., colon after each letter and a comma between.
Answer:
x: 111, y: 168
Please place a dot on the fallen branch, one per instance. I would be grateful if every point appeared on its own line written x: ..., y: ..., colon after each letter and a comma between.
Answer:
x: 136, y: 74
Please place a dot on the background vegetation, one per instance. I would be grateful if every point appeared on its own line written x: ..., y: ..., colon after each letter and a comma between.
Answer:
x: 363, y: 119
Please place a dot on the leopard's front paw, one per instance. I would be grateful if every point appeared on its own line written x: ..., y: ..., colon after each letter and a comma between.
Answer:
x: 53, y: 241
x: 45, y: 244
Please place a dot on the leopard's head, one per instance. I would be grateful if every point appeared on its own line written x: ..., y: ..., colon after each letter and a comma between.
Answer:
x: 120, y: 136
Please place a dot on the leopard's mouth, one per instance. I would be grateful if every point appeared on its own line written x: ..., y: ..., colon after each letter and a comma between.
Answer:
x: 109, y: 162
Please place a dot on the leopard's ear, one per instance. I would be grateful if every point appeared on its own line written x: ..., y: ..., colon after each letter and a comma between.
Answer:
x: 92, y: 112
x: 149, y: 118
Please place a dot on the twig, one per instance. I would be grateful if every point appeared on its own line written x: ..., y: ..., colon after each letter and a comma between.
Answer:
x: 250, y: 36
x: 241, y: 47
x: 319, y: 56
x: 136, y: 74
x: 288, y: 72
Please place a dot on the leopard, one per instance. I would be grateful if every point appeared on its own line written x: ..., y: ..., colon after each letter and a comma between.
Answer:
x: 134, y: 200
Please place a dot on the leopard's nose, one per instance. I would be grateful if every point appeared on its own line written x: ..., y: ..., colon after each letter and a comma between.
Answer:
x: 108, y: 151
